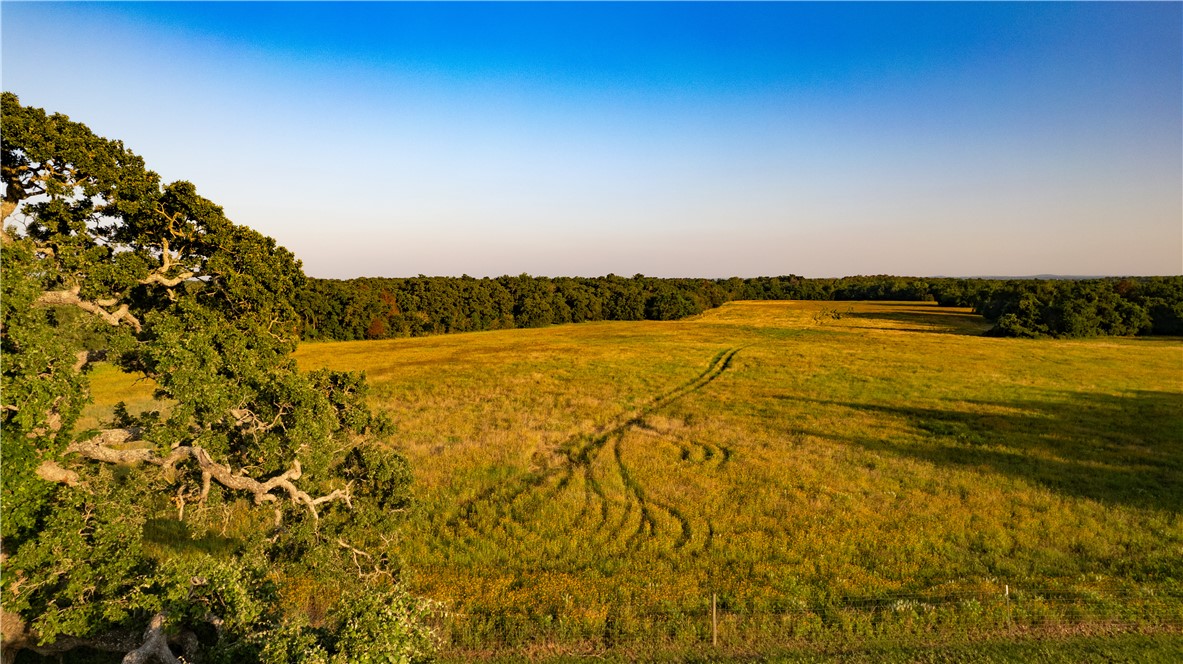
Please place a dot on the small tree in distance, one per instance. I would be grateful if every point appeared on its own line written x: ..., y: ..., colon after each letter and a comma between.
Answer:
x: 190, y: 526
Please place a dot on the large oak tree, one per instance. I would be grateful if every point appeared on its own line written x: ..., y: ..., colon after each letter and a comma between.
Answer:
x: 246, y: 514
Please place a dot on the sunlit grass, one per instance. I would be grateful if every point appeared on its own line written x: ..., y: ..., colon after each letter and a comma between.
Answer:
x: 857, y: 468
x: 849, y: 451
x: 108, y: 386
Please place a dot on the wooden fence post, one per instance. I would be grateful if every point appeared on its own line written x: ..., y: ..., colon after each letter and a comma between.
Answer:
x: 714, y: 621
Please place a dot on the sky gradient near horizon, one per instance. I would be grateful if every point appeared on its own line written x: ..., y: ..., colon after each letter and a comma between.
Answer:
x: 669, y: 139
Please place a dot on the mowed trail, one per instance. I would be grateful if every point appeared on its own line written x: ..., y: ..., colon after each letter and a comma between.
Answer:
x: 615, y: 511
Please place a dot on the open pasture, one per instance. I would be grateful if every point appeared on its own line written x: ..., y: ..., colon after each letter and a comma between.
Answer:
x: 833, y: 472
x: 827, y: 469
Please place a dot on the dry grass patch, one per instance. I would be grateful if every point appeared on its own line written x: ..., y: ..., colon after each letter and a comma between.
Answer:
x: 826, y: 468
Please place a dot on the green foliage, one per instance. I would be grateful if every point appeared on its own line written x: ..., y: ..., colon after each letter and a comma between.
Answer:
x: 1087, y: 308
x: 380, y: 628
x: 419, y: 306
x: 30, y: 354
x: 383, y: 477
x: 383, y: 627
x: 100, y: 256
x: 670, y: 304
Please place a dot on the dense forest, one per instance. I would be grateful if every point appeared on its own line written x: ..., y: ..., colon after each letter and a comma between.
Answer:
x: 1085, y: 308
x: 377, y: 308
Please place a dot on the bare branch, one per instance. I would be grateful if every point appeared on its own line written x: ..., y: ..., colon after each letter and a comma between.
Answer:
x: 159, y: 278
x: 70, y: 297
x: 52, y: 472
x: 337, y: 494
x: 356, y: 552
x: 155, y: 645
x: 98, y: 449
x: 151, y: 646
x: 378, y: 571
x: 85, y: 357
x: 173, y: 219
x: 252, y: 423
x: 180, y: 502
x: 17, y: 635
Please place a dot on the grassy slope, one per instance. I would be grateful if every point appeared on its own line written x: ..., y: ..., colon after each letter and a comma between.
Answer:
x: 599, y: 482
x: 886, y: 474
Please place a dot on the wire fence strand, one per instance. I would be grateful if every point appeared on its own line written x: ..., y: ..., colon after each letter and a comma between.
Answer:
x: 910, y: 619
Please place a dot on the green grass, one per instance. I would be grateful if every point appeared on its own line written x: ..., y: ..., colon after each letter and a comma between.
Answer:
x: 1130, y: 648
x: 839, y: 474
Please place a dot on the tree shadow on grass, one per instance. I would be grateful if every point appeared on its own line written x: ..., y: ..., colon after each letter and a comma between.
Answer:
x: 927, y: 318
x: 177, y: 537
x: 1121, y: 450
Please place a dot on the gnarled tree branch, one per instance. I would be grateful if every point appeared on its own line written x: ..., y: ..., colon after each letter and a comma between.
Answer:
x: 99, y: 449
x: 155, y: 645
x: 85, y: 357
x: 159, y: 278
x: 70, y: 297
x: 50, y: 471
x: 152, y: 646
x: 252, y: 423
x: 17, y: 635
x: 378, y: 571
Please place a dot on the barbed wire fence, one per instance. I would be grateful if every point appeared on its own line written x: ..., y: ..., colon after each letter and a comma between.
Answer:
x: 893, y: 619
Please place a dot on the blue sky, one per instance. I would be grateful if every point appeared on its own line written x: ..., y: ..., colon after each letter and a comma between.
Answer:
x: 669, y: 139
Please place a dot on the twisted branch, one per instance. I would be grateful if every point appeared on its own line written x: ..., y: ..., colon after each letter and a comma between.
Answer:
x: 50, y: 471
x: 70, y: 297
x: 155, y: 645
x: 99, y: 449
x: 159, y: 278
x: 252, y: 423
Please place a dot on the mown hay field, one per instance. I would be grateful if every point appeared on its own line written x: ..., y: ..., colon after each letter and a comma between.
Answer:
x: 832, y: 473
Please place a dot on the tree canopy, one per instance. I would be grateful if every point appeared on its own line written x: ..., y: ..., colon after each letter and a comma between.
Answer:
x: 377, y: 308
x: 208, y: 523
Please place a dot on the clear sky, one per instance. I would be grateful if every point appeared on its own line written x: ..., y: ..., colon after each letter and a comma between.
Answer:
x: 668, y: 139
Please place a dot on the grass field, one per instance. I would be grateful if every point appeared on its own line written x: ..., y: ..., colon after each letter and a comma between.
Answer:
x: 834, y: 473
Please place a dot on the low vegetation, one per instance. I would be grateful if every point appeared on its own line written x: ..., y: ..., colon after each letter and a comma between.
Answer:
x: 830, y: 471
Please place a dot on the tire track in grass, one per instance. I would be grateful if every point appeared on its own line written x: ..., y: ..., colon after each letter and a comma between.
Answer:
x: 633, y: 494
x: 649, y: 524
x: 634, y: 497
x: 616, y: 531
x: 592, y: 499
x: 581, y: 460
x: 598, y: 492
x: 509, y: 500
x: 690, y: 449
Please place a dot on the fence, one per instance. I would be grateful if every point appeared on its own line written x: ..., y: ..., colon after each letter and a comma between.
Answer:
x: 813, y: 625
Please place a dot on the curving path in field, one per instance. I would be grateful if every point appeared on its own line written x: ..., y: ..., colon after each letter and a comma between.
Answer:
x: 616, y: 512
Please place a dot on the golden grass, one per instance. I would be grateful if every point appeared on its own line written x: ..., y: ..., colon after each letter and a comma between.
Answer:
x: 585, y: 481
x: 108, y: 386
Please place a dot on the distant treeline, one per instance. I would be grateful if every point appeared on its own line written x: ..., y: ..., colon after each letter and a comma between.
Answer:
x: 380, y: 308
x: 1083, y: 308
